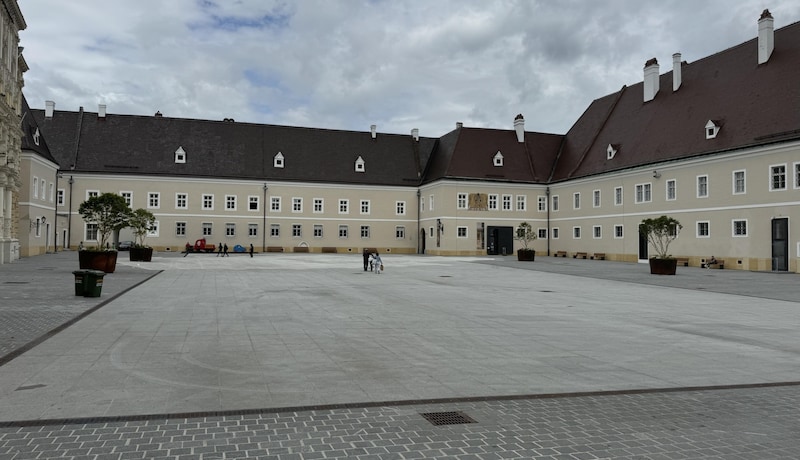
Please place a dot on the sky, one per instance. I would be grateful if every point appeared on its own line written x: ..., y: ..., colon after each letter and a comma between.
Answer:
x: 349, y: 64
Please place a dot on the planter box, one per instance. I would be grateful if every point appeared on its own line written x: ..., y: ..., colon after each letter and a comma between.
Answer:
x: 141, y: 254
x: 663, y: 266
x: 526, y: 255
x: 98, y: 260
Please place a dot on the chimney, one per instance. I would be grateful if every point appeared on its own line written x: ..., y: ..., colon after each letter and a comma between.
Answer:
x: 519, y: 127
x: 676, y: 71
x: 49, y: 107
x: 101, y: 111
x: 459, y: 125
x: 373, y: 129
x: 158, y: 114
x: 766, y: 36
x: 415, y: 134
x: 651, y: 79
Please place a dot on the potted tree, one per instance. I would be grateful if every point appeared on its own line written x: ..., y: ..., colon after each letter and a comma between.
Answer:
x: 525, y: 236
x: 661, y: 231
x: 142, y: 222
x: 109, y: 212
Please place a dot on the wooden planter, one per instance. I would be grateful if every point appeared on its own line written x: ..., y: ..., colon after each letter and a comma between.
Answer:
x: 141, y: 254
x: 663, y: 266
x: 526, y: 255
x: 98, y: 260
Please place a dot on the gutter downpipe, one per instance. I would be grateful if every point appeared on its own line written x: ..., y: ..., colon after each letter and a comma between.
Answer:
x: 547, y: 194
x: 419, y: 243
x: 264, y: 230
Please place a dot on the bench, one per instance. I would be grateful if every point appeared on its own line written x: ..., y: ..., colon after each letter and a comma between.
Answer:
x: 599, y: 256
x: 720, y: 263
x: 329, y: 250
x: 579, y: 255
x: 274, y: 248
x: 560, y: 254
x: 683, y: 261
x: 300, y: 249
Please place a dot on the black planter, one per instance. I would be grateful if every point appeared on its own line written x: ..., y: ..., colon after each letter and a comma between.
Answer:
x: 141, y: 254
x: 98, y: 260
x: 663, y: 266
x: 525, y: 255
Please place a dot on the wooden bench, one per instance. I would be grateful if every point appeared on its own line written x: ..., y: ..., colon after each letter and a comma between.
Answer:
x: 683, y: 261
x: 719, y: 264
x: 561, y: 254
x: 579, y: 255
x: 274, y: 248
x: 599, y: 256
x: 329, y: 250
x: 300, y: 249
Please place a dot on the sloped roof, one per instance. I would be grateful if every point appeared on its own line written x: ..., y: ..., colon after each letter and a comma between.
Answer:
x: 755, y: 105
x: 32, y: 137
x: 129, y: 144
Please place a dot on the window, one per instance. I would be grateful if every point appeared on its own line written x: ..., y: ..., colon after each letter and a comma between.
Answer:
x: 230, y: 229
x: 36, y: 187
x: 154, y: 200
x: 618, y: 231
x: 740, y: 227
x: 702, y: 186
x: 422, y: 204
x: 51, y: 192
x: 576, y: 233
x: 180, y: 228
x: 154, y: 229
x: 555, y: 203
x: 576, y: 200
x: 506, y: 202
x: 497, y: 160
x: 797, y: 175
x: 252, y: 203
x: 712, y: 129
x: 461, y: 201
x: 181, y: 201
x: 297, y: 204
x: 319, y: 205
x: 522, y: 202
x: 703, y: 230
x: 596, y: 199
x: 275, y: 230
x: 92, y: 193
x: 317, y: 231
x: 555, y: 233
x: 400, y: 208
x: 542, y: 233
x: 643, y: 193
x: 91, y: 232
x: 461, y: 232
x: 344, y: 206
x: 364, y: 206
x: 365, y: 231
x: 275, y: 204
x: 60, y: 197
x: 180, y: 155
x: 493, y: 202
x: 541, y: 203
x: 38, y: 231
x: 252, y: 230
x: 777, y: 177
x: 297, y: 230
x: 430, y: 203
x: 343, y: 231
x: 738, y: 183
x: 671, y: 184
x: 207, y: 229
x: 597, y: 232
x: 360, y: 165
x: 230, y: 202
x: 400, y: 232
x: 617, y: 196
x: 44, y: 190
x: 277, y: 160
x: 208, y: 201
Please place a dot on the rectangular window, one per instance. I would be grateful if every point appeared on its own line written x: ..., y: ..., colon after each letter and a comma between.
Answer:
x: 343, y: 231
x: 618, y: 231
x: 643, y: 193
x: 399, y: 232
x: 364, y: 206
x: 180, y: 228
x: 344, y: 206
x: 128, y: 198
x: 461, y: 201
x: 671, y: 189
x: 576, y: 200
x: 297, y: 230
x: 777, y: 177
x: 702, y: 186
x: 703, y: 230
x: 430, y: 203
x: 522, y: 202
x: 493, y: 202
x: 555, y: 203
x: 153, y: 200
x: 797, y: 175
x: 542, y: 233
x: 44, y: 190
x: 51, y: 192
x: 297, y: 204
x: 230, y: 229
x: 208, y: 201
x: 35, y: 187
x: 275, y: 204
x: 541, y: 203
x: 461, y: 232
x: 207, y: 229
x: 319, y: 205
x: 597, y: 232
x: 400, y: 208
x: 576, y: 233
x: 740, y: 227
x: 60, y: 197
x: 617, y: 196
x: 92, y: 193
x: 596, y: 199
x: 230, y: 202
x: 38, y: 232
x: 506, y: 202
x: 421, y: 204
x: 738, y: 183
x: 91, y: 232
x: 154, y: 229
x: 555, y: 233
x: 253, y: 203
x: 252, y: 230
x: 365, y: 231
x: 317, y: 231
x: 275, y: 230
x: 181, y: 201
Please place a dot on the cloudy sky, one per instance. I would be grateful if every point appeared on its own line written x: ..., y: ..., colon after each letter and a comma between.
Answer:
x: 352, y: 63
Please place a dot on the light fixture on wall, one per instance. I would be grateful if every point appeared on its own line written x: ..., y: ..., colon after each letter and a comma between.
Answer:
x: 656, y: 174
x: 439, y: 225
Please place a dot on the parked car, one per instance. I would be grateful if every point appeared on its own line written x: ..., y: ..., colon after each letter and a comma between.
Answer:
x: 124, y: 245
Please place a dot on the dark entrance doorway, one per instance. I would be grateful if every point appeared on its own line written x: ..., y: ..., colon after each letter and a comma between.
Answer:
x: 500, y: 240
x: 780, y: 244
x: 642, y: 246
x: 422, y: 241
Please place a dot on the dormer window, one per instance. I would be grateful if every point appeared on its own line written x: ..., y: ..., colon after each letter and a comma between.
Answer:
x: 611, y: 151
x: 277, y: 161
x: 36, y: 137
x: 712, y: 129
x: 180, y: 155
x: 360, y: 165
x: 498, y: 159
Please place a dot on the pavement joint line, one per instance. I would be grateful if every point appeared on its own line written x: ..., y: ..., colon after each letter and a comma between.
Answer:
x: 373, y: 404
x: 39, y: 340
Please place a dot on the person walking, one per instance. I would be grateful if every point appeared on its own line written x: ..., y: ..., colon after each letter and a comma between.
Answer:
x: 219, y: 250
x: 366, y: 259
x: 251, y: 250
x: 225, y: 250
x: 378, y: 263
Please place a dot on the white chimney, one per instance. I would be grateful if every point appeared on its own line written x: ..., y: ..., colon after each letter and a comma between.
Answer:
x: 651, y: 80
x: 676, y: 71
x: 49, y: 108
x: 459, y: 125
x: 415, y: 134
x: 766, y: 36
x: 101, y: 111
x: 373, y: 129
x: 519, y: 127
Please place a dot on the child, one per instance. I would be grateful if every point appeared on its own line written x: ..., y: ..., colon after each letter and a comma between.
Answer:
x: 378, y: 263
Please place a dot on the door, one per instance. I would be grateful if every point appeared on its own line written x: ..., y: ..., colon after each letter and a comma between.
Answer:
x: 780, y: 244
x: 422, y: 241
x: 500, y: 240
x: 642, y: 246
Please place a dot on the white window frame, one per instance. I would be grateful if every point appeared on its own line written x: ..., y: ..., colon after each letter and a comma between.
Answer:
x: 674, y: 189
x: 364, y: 207
x: 400, y: 232
x: 319, y: 205
x: 541, y: 203
x: 796, y: 174
x: 360, y: 165
x: 576, y: 200
x: 274, y: 230
x: 493, y: 204
x: 705, y: 185
x: 297, y: 204
x: 522, y: 202
x: 50, y: 190
x: 497, y: 159
x: 178, y: 197
x: 61, y: 197
x: 180, y: 228
x: 90, y: 228
x: 180, y: 155
x: 430, y: 203
x: 252, y: 230
x: 91, y: 193
x: 643, y: 193
x: 744, y: 181
x: 150, y: 197
x: 461, y: 201
x: 619, y: 234
x: 253, y: 199
x: 36, y: 186
x: 772, y: 177
x: 128, y: 198
x: 697, y: 225
x: 507, y: 206
x: 365, y: 232
x: 597, y: 232
x: 344, y: 232
x: 733, y: 228
x: 275, y: 204
x: 277, y: 160
x: 43, y: 188
x: 153, y: 230
x: 554, y: 233
x: 541, y: 233
x: 207, y: 202
x: 619, y: 196
x: 596, y: 203
x: 318, y: 229
x: 297, y: 230
x: 461, y: 232
x: 231, y: 203
x: 230, y: 229
x: 343, y: 202
x: 576, y: 232
x: 400, y: 208
x: 554, y: 203
x: 207, y: 228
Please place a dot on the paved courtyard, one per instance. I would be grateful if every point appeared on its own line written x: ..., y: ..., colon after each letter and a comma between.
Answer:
x: 308, y: 356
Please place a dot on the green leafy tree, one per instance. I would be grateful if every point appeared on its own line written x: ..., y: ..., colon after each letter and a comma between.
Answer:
x: 661, y: 231
x: 525, y: 234
x: 109, y: 211
x: 142, y: 222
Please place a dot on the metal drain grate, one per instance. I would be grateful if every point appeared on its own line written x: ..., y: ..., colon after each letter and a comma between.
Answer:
x: 447, y: 418
x: 16, y: 282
